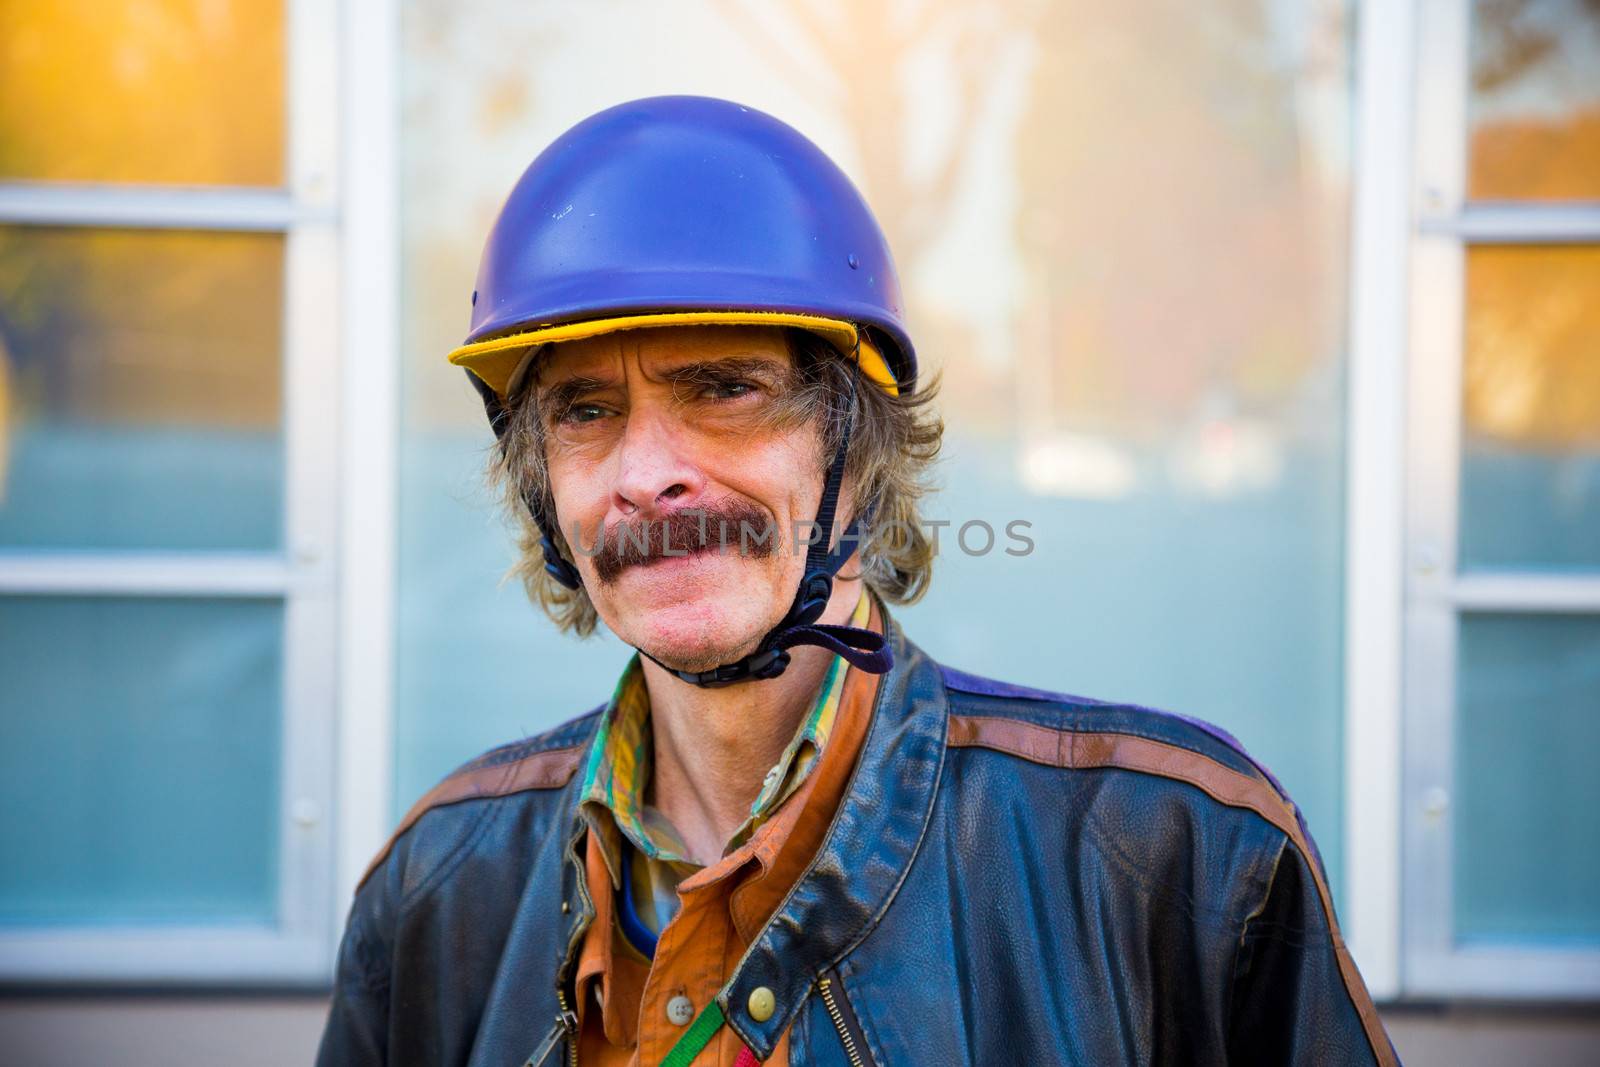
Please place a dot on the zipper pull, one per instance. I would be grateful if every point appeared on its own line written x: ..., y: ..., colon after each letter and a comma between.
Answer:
x: 566, y: 1026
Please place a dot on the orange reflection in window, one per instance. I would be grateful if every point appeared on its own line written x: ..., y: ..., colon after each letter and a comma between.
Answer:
x: 168, y: 328
x: 158, y: 91
x: 1532, y: 370
x: 1534, y: 106
x: 1533, y: 160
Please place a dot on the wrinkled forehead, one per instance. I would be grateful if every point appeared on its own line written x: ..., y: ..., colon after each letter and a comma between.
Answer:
x: 658, y: 348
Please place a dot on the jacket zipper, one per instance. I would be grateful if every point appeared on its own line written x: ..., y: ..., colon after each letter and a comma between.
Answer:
x: 567, y: 1019
x: 848, y: 1031
x: 566, y: 1026
x: 569, y: 1023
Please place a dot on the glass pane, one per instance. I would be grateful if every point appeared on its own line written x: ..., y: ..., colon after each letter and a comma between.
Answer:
x: 146, y: 788
x: 1143, y: 351
x: 1530, y: 465
x: 1533, y: 109
x: 1527, y: 819
x: 185, y: 91
x: 141, y: 403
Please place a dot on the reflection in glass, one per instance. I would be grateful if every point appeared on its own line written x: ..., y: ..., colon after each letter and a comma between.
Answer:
x: 156, y: 91
x: 144, y: 789
x: 1122, y: 233
x: 142, y: 403
x: 1530, y: 466
x: 1527, y: 815
x: 1533, y: 109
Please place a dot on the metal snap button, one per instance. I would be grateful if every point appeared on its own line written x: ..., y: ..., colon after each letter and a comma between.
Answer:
x: 762, y: 1003
x: 680, y: 1010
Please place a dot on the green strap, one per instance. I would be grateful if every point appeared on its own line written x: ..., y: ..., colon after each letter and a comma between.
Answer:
x: 697, y: 1037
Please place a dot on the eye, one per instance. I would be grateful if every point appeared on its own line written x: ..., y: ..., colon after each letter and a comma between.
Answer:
x: 578, y: 413
x: 729, y: 390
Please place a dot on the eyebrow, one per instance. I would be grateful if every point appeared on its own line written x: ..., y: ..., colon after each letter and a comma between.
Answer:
x: 563, y: 394
x: 714, y: 370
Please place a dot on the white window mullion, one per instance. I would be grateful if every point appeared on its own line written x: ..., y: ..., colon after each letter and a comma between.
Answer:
x: 1517, y: 593
x: 1526, y: 223
x: 150, y: 207
x: 169, y: 954
x: 311, y: 440
x: 1433, y: 430
x: 310, y: 673
x: 368, y: 417
x: 175, y: 574
x: 1374, y: 492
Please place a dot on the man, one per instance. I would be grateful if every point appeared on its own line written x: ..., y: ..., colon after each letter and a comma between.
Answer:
x: 790, y: 837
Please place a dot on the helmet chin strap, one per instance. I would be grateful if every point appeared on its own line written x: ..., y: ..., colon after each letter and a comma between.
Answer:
x: 860, y: 647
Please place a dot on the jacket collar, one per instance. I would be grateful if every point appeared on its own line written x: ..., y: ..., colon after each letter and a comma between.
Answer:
x: 874, y: 836
x: 863, y: 860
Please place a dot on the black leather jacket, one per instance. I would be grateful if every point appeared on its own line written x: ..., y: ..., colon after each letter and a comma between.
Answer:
x: 1012, y: 877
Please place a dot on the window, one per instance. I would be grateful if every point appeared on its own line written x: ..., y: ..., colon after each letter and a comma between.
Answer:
x: 167, y: 491
x: 1502, y: 806
x: 1123, y: 240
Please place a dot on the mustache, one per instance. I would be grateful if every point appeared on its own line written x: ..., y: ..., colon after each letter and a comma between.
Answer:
x: 683, y: 532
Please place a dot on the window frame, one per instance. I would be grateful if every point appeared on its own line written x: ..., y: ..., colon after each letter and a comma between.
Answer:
x: 1436, y: 595
x: 304, y: 574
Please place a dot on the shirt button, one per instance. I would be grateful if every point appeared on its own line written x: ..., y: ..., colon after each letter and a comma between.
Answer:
x: 680, y: 1010
x: 762, y: 1003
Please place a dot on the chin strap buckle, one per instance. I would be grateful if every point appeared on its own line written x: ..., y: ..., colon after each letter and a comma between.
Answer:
x: 767, y: 663
x: 812, y: 600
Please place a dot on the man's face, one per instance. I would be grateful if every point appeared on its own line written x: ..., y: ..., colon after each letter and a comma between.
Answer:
x: 640, y: 424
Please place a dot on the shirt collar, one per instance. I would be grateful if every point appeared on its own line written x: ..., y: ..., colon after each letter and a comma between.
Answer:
x: 620, y: 762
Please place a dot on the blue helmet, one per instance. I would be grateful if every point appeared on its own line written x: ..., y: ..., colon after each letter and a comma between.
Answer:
x: 684, y: 209
x: 687, y: 210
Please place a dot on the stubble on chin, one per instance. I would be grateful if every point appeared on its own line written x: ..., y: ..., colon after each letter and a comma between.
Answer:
x: 713, y: 637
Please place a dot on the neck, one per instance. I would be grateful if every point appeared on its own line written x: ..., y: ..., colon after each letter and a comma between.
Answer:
x: 713, y: 747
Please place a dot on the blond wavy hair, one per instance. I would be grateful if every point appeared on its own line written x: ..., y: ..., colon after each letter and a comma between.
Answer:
x: 893, y: 443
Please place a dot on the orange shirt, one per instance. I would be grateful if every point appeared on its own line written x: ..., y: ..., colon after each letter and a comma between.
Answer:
x: 622, y: 997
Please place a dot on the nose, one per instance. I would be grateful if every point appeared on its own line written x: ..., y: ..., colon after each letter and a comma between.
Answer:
x: 653, y: 467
